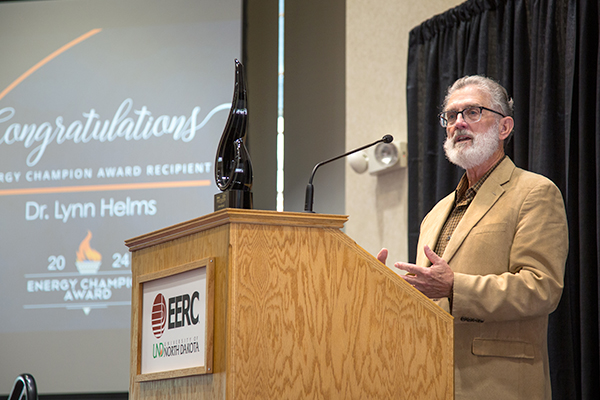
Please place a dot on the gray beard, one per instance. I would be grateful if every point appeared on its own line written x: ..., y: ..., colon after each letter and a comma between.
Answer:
x: 481, y: 149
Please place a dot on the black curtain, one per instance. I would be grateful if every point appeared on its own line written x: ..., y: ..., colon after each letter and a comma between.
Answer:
x: 546, y: 54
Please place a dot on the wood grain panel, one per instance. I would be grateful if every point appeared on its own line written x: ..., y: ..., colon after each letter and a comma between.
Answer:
x: 313, y: 317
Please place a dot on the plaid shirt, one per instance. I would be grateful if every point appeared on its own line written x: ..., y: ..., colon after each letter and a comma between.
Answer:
x: 464, y: 195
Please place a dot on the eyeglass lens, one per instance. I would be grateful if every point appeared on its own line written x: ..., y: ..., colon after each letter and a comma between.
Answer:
x: 471, y: 114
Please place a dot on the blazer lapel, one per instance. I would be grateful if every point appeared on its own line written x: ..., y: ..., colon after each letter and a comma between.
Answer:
x: 486, y: 197
x: 432, y: 226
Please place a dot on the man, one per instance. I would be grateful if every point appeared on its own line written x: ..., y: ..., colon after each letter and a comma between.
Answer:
x: 493, y: 252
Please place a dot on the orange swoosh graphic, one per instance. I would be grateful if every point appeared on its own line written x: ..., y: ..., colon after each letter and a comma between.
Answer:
x: 48, y: 59
x: 104, y: 188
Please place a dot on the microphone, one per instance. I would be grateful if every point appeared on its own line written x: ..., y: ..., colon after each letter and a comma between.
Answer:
x: 309, y: 199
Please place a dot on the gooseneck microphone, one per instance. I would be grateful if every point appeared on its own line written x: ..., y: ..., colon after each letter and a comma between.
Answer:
x: 308, y: 202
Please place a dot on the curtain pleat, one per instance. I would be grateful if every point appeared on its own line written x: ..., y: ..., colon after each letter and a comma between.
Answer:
x: 547, y: 55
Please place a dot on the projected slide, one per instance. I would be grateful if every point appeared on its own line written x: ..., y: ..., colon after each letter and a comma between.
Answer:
x: 110, y: 115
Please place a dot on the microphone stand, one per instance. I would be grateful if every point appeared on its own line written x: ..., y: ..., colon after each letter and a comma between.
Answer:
x: 309, y: 198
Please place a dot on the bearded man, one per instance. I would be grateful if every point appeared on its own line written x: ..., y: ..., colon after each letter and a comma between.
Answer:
x: 493, y: 252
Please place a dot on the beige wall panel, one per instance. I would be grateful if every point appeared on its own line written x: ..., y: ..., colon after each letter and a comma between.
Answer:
x: 376, y: 67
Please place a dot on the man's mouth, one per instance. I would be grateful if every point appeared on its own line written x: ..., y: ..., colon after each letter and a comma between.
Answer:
x: 462, y: 137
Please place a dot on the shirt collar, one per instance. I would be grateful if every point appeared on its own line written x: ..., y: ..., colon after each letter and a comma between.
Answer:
x: 463, y: 188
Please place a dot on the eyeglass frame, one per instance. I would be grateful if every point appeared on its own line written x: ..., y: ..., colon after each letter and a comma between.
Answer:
x: 444, y: 122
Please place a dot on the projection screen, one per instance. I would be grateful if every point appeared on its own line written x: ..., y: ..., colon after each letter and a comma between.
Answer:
x: 110, y: 115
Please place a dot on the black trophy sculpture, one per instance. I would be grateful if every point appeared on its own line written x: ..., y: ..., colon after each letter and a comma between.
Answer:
x: 233, y: 168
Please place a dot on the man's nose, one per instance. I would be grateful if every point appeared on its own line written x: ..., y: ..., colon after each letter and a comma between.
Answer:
x: 460, y: 122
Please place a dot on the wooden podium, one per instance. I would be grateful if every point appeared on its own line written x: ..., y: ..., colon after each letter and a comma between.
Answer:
x: 300, y: 312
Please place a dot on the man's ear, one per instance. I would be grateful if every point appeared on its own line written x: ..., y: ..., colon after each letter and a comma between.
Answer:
x: 506, y: 126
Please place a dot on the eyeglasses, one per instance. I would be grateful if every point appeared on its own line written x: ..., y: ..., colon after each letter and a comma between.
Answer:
x: 470, y: 115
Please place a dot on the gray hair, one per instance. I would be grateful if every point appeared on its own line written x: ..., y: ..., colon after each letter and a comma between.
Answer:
x: 498, y: 95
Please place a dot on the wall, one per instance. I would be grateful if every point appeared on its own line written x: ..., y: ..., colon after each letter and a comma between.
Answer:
x: 314, y: 101
x: 376, y: 67
x: 260, y: 59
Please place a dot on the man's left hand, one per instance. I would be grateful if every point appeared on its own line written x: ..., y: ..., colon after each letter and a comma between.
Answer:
x: 434, y: 282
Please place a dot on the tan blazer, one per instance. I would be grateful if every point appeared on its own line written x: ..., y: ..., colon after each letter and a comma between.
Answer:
x: 508, y: 254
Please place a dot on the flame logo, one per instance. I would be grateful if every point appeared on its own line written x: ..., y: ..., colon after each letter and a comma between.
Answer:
x: 85, y: 252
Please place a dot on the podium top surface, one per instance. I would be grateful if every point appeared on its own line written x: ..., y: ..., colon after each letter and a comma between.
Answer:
x: 236, y: 216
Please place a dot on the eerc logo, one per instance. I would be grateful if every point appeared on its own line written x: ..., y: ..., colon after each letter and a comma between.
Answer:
x: 180, y: 312
x: 159, y: 315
